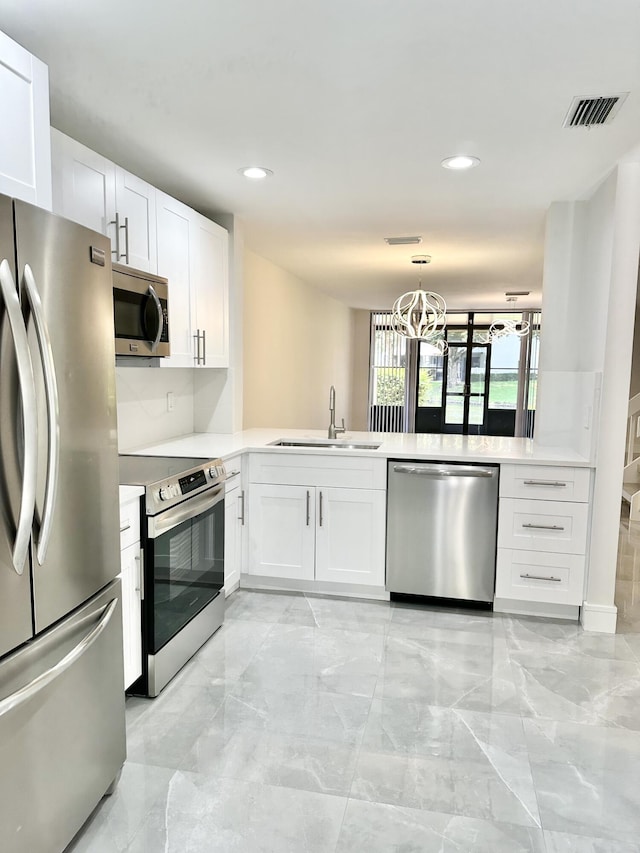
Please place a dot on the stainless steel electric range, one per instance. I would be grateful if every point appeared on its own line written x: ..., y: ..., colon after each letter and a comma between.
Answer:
x: 182, y: 539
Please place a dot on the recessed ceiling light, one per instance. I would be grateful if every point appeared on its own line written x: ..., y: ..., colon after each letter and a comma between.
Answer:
x: 460, y: 162
x: 256, y: 173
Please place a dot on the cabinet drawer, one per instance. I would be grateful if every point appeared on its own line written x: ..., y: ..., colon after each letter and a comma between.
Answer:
x: 543, y: 526
x: 544, y: 577
x: 324, y: 469
x: 545, y: 482
x: 233, y: 467
x: 129, y: 523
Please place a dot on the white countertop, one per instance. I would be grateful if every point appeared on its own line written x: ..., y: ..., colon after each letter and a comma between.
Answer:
x: 130, y: 493
x: 471, y: 448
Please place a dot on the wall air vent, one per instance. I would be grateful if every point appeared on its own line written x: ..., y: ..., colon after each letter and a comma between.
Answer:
x: 402, y: 241
x: 588, y: 112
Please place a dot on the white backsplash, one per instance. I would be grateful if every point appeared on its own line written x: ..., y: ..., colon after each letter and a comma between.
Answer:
x: 143, y: 416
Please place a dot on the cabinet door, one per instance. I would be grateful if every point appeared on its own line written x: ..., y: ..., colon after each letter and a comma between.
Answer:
x: 84, y: 186
x: 350, y: 543
x: 210, y: 290
x: 232, y: 539
x: 174, y: 263
x: 281, y: 531
x: 25, y: 145
x: 131, y: 612
x: 136, y: 206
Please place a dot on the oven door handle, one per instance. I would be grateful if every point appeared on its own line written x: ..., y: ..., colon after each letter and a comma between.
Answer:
x: 191, y: 508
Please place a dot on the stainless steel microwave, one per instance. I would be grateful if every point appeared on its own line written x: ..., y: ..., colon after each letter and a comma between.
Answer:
x: 140, y: 312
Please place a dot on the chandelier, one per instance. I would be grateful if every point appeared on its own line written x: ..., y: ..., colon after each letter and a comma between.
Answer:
x: 421, y: 315
x: 504, y: 328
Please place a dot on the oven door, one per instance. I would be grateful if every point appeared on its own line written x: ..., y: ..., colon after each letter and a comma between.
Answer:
x: 185, y: 564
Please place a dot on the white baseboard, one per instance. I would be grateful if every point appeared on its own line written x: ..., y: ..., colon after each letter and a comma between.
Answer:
x: 346, y: 590
x: 599, y: 617
x: 536, y: 608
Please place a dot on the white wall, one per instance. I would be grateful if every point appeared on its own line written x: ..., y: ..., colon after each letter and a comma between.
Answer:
x: 297, y: 343
x: 142, y: 405
x: 588, y: 309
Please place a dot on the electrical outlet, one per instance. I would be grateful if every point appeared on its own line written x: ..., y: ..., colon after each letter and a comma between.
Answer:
x: 171, y: 401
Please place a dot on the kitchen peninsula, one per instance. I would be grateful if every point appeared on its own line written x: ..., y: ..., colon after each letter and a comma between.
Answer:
x: 312, y: 517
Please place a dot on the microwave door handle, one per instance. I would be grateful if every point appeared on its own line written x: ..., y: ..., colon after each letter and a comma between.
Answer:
x: 53, y: 412
x: 29, y: 416
x: 154, y: 296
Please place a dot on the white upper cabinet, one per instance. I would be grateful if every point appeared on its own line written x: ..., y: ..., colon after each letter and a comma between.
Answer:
x: 193, y: 256
x: 210, y: 292
x: 93, y: 191
x: 136, y: 214
x: 84, y: 185
x: 175, y: 236
x: 25, y: 147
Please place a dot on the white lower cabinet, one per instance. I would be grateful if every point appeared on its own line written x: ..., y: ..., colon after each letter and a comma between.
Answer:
x: 131, y: 573
x: 323, y: 534
x: 234, y: 525
x: 131, y: 568
x: 543, y: 522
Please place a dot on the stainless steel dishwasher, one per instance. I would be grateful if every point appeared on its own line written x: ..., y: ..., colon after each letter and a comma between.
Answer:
x: 441, y: 529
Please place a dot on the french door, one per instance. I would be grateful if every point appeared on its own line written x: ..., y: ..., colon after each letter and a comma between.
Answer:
x: 465, y: 389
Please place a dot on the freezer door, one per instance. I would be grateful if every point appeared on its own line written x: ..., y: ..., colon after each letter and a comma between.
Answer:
x: 16, y: 505
x: 62, y: 731
x: 68, y: 301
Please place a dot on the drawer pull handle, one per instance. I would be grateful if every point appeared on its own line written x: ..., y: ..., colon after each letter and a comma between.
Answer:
x: 554, y: 483
x: 232, y: 474
x: 543, y: 526
x: 126, y: 527
x: 308, y: 506
x: 542, y: 578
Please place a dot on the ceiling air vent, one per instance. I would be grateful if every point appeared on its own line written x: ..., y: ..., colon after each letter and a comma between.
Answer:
x: 402, y: 241
x: 588, y: 112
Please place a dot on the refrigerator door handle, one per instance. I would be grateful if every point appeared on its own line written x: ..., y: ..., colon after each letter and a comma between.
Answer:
x: 28, y: 393
x: 41, y: 681
x: 53, y: 411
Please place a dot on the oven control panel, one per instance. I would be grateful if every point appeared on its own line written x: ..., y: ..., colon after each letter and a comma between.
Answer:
x: 175, y: 489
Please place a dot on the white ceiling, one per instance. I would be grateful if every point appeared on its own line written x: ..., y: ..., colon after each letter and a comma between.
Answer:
x: 352, y: 104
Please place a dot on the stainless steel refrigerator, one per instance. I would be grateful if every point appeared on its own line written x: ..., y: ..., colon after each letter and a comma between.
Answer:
x: 62, y: 735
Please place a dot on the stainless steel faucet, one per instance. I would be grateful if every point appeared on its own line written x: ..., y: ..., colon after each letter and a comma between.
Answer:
x: 333, y: 429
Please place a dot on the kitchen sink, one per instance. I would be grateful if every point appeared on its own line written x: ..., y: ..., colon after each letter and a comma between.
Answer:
x: 344, y: 445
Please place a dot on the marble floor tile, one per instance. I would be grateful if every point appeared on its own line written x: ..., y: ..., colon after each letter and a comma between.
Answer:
x: 258, y: 606
x: 562, y: 842
x: 330, y: 716
x: 578, y: 688
x: 350, y: 614
x: 587, y: 779
x: 299, y: 658
x: 476, y: 621
x: 291, y: 761
x: 381, y: 828
x: 162, y: 739
x: 117, y: 818
x: 214, y: 815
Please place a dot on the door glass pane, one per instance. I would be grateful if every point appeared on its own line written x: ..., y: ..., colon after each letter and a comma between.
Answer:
x: 503, y: 388
x: 476, y: 410
x: 454, y: 412
x: 456, y: 369
x: 478, y: 369
x: 457, y: 335
x: 429, y: 379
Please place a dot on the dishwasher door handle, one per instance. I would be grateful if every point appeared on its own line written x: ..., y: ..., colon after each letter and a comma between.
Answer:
x: 436, y: 473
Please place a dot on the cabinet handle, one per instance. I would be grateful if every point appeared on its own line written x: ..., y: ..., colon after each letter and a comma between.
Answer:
x: 308, y: 505
x: 140, y: 562
x: 542, y: 578
x: 125, y: 227
x: 196, y: 338
x: 320, y: 509
x: 241, y: 516
x: 116, y: 222
x: 204, y: 347
x: 554, y: 483
x: 126, y: 527
x: 231, y: 474
x: 544, y: 526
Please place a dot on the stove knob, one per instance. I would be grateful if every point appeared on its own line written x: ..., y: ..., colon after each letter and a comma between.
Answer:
x: 213, y: 473
x: 165, y: 494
